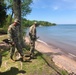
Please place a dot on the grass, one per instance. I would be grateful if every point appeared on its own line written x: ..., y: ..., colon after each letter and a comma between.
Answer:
x: 3, y: 37
x: 3, y: 30
x: 36, y: 66
x: 33, y: 67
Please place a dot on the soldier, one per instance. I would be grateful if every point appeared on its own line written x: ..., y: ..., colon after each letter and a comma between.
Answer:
x: 14, y: 38
x: 33, y: 37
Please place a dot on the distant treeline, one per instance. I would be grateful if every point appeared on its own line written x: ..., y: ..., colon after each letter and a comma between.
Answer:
x: 27, y: 23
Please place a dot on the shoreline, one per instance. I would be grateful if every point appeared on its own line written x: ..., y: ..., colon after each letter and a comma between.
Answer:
x: 61, y: 59
x: 60, y: 49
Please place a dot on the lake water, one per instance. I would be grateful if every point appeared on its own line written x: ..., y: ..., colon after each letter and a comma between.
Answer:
x: 62, y: 36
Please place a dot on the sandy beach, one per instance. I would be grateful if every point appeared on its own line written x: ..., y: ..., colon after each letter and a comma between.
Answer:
x: 61, y: 59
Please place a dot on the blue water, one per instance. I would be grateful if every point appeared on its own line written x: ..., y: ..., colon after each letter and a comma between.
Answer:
x: 60, y: 33
x: 62, y: 36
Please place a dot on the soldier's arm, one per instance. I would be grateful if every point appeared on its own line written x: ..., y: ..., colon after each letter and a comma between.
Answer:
x: 30, y: 31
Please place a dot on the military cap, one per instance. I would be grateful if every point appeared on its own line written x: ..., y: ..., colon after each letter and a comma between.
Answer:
x: 17, y: 20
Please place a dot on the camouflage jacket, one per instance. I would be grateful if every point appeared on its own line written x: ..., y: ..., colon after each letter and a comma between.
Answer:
x: 12, y: 32
x: 32, y: 32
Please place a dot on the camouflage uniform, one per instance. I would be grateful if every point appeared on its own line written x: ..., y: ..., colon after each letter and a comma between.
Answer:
x: 13, y: 36
x: 32, y: 34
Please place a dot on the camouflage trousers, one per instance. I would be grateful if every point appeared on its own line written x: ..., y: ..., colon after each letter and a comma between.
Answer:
x: 18, y: 46
x: 32, y: 46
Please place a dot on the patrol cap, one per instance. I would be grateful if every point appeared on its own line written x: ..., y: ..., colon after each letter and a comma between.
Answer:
x: 35, y: 22
x: 17, y: 20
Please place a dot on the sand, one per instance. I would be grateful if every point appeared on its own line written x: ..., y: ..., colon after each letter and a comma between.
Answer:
x: 60, y: 58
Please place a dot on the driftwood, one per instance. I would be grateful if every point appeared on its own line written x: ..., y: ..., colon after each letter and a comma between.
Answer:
x: 4, y: 46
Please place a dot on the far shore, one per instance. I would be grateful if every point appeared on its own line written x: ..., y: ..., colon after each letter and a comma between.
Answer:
x: 59, y: 57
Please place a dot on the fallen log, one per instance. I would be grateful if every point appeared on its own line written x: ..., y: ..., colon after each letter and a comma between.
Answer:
x: 4, y: 46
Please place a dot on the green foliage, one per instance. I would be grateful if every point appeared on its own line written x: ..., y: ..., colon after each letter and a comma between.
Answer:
x: 45, y: 23
x: 2, y: 12
x: 64, y: 72
x: 25, y: 7
x: 27, y: 23
x: 3, y: 30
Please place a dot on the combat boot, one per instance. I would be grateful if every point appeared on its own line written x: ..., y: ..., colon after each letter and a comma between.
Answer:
x: 33, y: 56
x: 24, y: 58
x: 12, y: 59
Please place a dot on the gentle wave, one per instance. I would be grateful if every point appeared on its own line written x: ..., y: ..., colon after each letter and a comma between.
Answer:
x: 43, y: 42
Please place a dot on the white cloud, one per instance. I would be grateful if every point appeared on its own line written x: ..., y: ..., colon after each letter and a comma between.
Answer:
x: 55, y: 4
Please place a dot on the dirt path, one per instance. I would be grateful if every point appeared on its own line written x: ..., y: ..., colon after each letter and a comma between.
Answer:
x: 60, y: 58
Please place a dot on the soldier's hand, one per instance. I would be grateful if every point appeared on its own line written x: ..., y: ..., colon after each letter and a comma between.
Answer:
x: 13, y: 43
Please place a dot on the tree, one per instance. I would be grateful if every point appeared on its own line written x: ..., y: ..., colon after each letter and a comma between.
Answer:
x: 17, y: 9
x: 2, y: 12
x: 17, y: 15
x: 25, y: 7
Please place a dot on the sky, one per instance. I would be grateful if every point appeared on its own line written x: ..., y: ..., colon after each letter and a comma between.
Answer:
x: 54, y: 11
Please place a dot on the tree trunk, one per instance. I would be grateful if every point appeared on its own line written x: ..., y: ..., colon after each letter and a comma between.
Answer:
x: 11, y: 17
x: 17, y: 15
